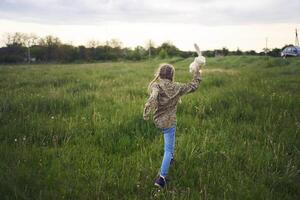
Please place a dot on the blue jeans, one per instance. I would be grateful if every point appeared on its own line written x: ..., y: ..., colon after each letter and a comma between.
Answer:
x: 169, y: 140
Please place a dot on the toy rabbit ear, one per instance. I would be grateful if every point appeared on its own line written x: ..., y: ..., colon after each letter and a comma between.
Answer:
x: 197, y: 49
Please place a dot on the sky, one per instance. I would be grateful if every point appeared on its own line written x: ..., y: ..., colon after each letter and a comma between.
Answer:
x: 212, y: 24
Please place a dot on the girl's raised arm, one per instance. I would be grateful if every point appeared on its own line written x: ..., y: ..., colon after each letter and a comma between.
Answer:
x: 186, y: 88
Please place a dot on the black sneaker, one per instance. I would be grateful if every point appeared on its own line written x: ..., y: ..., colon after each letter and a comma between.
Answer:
x: 160, y: 182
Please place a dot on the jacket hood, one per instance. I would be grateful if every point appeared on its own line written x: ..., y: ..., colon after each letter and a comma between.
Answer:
x: 170, y: 88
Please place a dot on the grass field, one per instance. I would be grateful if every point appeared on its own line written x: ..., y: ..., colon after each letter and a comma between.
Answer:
x: 76, y: 131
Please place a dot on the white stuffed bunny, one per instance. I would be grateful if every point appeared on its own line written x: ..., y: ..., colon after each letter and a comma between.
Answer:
x: 198, y: 61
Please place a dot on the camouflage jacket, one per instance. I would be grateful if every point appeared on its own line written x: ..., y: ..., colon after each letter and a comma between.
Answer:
x: 164, y: 97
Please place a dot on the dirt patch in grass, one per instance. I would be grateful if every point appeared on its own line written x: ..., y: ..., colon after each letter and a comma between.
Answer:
x: 219, y: 70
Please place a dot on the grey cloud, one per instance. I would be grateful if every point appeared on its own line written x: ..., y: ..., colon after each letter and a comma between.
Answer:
x: 203, y: 12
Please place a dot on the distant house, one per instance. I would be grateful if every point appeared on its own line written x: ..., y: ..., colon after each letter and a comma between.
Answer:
x: 290, y: 51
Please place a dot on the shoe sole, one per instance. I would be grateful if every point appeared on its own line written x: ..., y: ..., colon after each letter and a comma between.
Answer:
x: 156, y: 184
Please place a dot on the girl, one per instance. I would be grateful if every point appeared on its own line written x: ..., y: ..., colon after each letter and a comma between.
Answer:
x: 164, y: 96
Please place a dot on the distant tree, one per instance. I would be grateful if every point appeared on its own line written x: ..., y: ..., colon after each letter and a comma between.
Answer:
x: 16, y: 39
x: 115, y: 43
x: 14, y: 51
x: 251, y: 53
x: 266, y: 50
x: 208, y: 53
x: 274, y: 52
x: 66, y: 53
x: 187, y: 54
x: 93, y: 43
x: 225, y: 51
x: 170, y: 49
x: 91, y: 49
x: 163, y: 54
x: 107, y: 53
x: 238, y: 52
x: 126, y: 53
x: 51, y: 43
x: 138, y: 53
x: 82, y: 54
x: 49, y: 40
x: 173, y: 50
x: 218, y: 52
x: 38, y: 52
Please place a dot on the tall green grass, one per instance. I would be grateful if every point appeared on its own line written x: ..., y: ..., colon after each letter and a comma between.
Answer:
x: 76, y: 131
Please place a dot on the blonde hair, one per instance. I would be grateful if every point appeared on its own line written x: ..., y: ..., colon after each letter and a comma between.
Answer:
x: 164, y: 71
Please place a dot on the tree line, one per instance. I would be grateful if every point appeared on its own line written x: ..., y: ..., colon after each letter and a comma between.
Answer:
x: 21, y: 47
